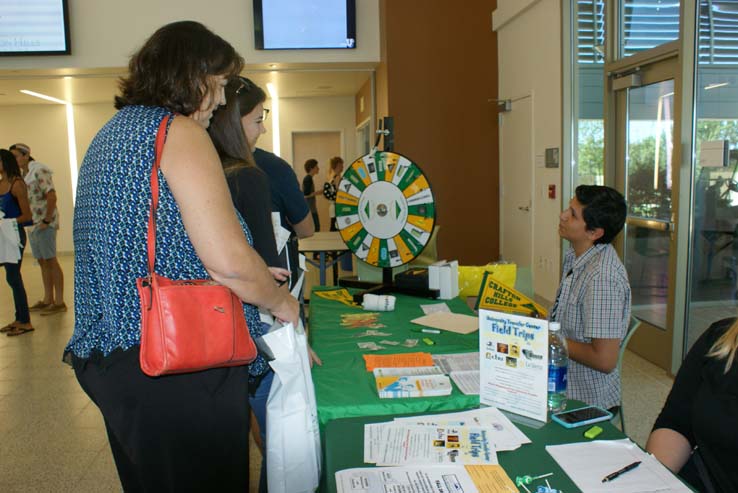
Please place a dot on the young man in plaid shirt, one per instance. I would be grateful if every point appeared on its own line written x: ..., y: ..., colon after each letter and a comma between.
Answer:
x: 593, y: 300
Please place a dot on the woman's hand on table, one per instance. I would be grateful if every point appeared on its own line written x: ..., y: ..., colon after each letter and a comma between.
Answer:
x: 314, y: 357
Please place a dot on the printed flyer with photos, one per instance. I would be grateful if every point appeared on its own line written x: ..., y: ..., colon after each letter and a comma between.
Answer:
x: 513, y: 361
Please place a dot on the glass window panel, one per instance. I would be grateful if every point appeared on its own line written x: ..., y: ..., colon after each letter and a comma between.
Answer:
x: 714, y: 276
x: 589, y: 128
x: 646, y: 24
x: 650, y: 129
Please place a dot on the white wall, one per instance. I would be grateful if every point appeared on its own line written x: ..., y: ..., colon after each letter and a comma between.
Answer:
x: 319, y: 115
x: 529, y: 57
x: 106, y: 32
x: 44, y: 128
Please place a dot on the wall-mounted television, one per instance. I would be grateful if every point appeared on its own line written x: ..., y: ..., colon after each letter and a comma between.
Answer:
x: 37, y: 27
x: 304, y: 24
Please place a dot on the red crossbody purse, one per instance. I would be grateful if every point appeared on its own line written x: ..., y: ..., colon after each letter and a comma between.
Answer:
x: 187, y: 326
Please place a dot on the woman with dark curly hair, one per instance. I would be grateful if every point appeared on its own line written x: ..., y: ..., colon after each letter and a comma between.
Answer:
x: 186, y: 432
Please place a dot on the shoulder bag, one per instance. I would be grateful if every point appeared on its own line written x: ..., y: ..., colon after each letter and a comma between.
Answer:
x: 191, y: 325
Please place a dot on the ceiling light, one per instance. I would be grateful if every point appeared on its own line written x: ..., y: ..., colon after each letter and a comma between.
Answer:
x: 43, y: 96
x: 71, y: 137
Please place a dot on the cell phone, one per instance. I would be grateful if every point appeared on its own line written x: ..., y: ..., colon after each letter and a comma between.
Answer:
x: 581, y: 417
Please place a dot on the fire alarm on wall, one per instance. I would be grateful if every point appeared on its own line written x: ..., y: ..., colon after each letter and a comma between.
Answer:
x: 552, y: 191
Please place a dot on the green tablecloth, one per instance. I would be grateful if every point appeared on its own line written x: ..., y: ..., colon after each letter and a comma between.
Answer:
x: 344, y: 449
x: 343, y: 387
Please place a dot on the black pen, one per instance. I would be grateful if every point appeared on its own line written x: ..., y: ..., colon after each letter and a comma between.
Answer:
x: 620, y: 472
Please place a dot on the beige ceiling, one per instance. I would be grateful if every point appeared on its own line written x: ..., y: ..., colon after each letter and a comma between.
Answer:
x: 100, y: 85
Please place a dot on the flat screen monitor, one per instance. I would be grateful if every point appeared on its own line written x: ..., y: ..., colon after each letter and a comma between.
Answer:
x: 34, y: 27
x: 304, y: 24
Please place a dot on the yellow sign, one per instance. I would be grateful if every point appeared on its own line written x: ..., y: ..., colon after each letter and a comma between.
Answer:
x: 470, y: 276
x: 495, y: 295
x: 341, y: 295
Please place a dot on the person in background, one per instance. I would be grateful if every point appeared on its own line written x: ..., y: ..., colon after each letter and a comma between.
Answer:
x: 15, y: 206
x: 330, y: 188
x: 593, y: 300
x: 287, y: 199
x: 43, y: 199
x: 183, y: 432
x: 308, y: 189
x: 696, y: 434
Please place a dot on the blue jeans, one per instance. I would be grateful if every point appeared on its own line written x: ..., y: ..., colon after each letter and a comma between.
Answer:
x: 258, y: 404
x: 13, y: 276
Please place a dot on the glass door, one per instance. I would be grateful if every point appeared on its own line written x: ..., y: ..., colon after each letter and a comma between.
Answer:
x: 645, y: 158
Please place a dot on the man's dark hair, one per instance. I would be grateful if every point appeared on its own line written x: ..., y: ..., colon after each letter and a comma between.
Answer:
x: 603, y: 207
x: 173, y: 68
x: 310, y: 164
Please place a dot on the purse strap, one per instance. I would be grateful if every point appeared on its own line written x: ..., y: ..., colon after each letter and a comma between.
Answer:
x: 161, y: 137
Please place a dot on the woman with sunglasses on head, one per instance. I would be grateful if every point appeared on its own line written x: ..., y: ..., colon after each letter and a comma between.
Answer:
x: 183, y: 432
x: 250, y: 191
x: 15, y: 206
x: 287, y: 197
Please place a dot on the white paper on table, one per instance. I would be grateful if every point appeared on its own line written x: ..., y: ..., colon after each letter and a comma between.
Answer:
x: 505, y: 435
x: 457, y: 361
x: 436, y: 307
x: 466, y: 381
x: 281, y: 235
x: 587, y: 463
x: 414, y: 479
x: 391, y: 444
x: 303, y: 262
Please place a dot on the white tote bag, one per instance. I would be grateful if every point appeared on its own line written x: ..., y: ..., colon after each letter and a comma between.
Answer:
x: 293, y: 436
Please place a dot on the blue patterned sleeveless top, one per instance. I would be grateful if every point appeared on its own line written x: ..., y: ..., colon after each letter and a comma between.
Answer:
x: 110, y: 218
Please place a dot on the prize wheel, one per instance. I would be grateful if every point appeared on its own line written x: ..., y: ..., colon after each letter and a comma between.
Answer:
x: 385, y: 209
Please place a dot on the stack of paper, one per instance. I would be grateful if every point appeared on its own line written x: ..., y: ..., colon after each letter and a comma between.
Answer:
x: 411, y: 382
x: 463, y: 368
x: 587, y: 463
x: 396, y: 444
x: 500, y: 430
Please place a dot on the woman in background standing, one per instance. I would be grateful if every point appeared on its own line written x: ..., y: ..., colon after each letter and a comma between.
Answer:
x: 308, y: 189
x: 330, y: 189
x: 14, y: 205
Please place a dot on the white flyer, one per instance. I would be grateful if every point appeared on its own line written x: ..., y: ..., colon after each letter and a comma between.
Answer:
x: 501, y: 431
x: 414, y: 479
x: 398, y: 444
x: 467, y: 381
x: 457, y: 361
x: 513, y: 361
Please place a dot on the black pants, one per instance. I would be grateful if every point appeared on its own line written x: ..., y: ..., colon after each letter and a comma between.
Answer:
x: 175, y: 433
x: 15, y: 281
x: 316, y: 220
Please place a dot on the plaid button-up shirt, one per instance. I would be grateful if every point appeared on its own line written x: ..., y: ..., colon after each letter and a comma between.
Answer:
x: 593, y: 302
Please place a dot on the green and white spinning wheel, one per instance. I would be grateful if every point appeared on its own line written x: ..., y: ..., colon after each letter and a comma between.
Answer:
x: 385, y: 209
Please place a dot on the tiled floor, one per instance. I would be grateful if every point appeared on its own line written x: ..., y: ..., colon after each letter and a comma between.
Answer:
x: 52, y: 438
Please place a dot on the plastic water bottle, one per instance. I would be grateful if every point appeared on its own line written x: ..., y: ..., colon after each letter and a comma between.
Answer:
x: 558, y: 361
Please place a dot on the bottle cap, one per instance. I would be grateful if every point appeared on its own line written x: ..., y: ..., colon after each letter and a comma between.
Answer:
x: 554, y: 326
